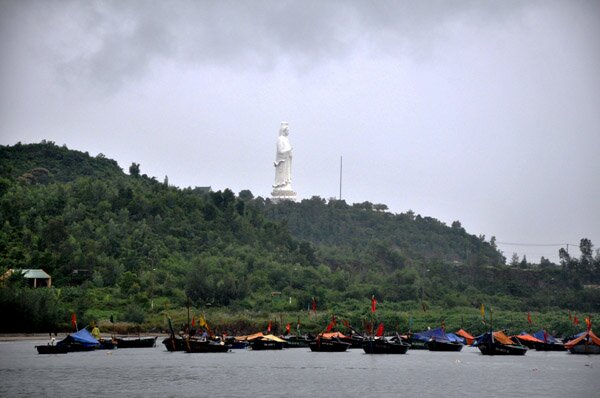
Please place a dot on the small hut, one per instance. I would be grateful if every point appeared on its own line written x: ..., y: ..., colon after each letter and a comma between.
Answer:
x: 34, y: 277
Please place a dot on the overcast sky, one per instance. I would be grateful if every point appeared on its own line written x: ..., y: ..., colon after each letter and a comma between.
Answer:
x: 486, y: 112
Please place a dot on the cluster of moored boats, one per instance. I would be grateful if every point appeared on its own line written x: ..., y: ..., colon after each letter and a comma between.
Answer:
x: 489, y: 343
x: 83, y: 340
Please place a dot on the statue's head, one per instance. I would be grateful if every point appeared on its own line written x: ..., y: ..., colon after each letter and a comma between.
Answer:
x: 284, y: 129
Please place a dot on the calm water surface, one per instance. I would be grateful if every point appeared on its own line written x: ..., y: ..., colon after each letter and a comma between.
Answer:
x: 154, y: 372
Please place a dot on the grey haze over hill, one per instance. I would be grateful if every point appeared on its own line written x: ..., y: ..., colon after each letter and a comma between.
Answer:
x: 483, y: 112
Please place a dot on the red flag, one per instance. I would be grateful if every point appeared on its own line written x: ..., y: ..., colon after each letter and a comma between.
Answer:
x: 269, y: 327
x: 329, y: 327
x: 193, y: 321
x: 379, y: 332
x: 368, y: 327
x: 74, y: 320
x: 575, y: 320
x: 287, y: 328
x: 529, y: 318
x: 333, y: 320
x: 373, y: 304
x: 346, y: 323
x: 588, y: 322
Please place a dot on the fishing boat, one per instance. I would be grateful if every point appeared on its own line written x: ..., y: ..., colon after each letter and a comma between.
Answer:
x: 51, y: 349
x: 235, y: 343
x: 439, y: 340
x: 586, y: 343
x: 136, y: 342
x: 436, y: 340
x: 444, y: 345
x: 548, y: 342
x: 195, y: 345
x: 381, y: 345
x: 296, y: 341
x: 325, y: 342
x: 498, y: 343
x: 173, y: 343
x: 526, y: 339
x: 261, y: 342
x: 79, y: 341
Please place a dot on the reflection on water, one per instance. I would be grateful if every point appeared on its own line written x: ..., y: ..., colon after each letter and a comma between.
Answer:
x: 293, y: 372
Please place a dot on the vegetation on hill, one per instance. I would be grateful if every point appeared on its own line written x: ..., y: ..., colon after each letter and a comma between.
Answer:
x: 130, y: 246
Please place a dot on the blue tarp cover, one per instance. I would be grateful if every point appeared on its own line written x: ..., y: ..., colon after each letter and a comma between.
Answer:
x: 549, y: 338
x: 438, y: 334
x: 83, y: 337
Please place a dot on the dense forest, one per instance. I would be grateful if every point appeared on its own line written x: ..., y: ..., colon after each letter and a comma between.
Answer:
x: 131, y: 246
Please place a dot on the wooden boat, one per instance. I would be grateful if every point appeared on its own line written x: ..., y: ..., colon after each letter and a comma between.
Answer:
x: 261, y: 342
x: 136, y: 342
x: 384, y: 346
x: 586, y: 343
x: 173, y: 343
x: 498, y: 343
x: 444, y: 345
x: 321, y: 344
x: 51, y: 349
x: 235, y: 343
x: 355, y: 340
x: 294, y: 341
x: 82, y: 340
x: 526, y: 339
x: 436, y: 340
x: 194, y: 345
x: 107, y: 344
x: 261, y: 345
x: 548, y: 342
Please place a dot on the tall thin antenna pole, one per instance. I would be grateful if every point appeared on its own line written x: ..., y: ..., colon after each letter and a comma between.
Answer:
x: 340, y: 177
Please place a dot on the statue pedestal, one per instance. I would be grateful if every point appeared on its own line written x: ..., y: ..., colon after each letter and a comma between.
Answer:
x: 279, y: 195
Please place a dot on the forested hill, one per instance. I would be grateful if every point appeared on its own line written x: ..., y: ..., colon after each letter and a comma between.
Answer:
x: 133, y: 246
x: 46, y: 162
x: 394, y: 239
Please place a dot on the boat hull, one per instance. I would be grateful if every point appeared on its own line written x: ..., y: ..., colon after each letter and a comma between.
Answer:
x: 435, y: 345
x: 384, y: 347
x: 501, y: 349
x: 296, y: 342
x: 173, y: 343
x: 585, y: 349
x: 263, y: 345
x: 328, y: 345
x: 141, y: 342
x: 199, y: 346
x: 51, y: 349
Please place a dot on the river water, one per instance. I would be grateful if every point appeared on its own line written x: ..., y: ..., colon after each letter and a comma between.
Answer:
x: 154, y: 372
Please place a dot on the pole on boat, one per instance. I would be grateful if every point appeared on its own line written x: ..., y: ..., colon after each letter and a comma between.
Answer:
x: 187, y: 304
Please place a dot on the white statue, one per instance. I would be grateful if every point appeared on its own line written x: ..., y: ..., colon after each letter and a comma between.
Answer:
x: 282, y: 188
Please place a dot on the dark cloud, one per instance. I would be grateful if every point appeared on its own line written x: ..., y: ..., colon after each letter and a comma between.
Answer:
x: 111, y: 43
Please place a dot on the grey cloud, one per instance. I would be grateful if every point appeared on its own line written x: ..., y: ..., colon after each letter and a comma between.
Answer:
x: 113, y: 42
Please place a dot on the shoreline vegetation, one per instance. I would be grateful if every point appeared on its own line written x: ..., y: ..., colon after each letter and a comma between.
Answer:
x: 129, y: 247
